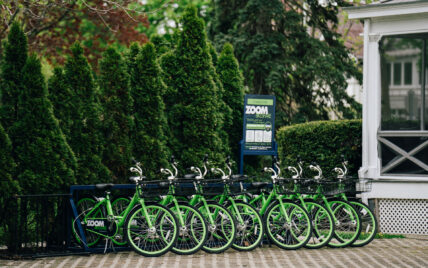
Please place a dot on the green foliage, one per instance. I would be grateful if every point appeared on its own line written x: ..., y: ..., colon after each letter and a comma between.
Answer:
x: 15, y: 56
x: 8, y: 188
x: 233, y: 95
x: 295, y: 55
x: 162, y: 45
x: 60, y: 96
x: 85, y: 136
x: 45, y: 161
x: 323, y: 142
x: 117, y: 111
x: 193, y: 99
x: 149, y: 139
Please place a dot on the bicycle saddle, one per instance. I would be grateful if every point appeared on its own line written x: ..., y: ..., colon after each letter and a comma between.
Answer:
x: 259, y: 184
x: 239, y: 176
x: 104, y: 186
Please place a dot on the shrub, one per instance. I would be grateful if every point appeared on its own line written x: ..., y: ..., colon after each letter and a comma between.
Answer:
x: 15, y: 56
x: 117, y: 110
x: 323, y: 142
x: 45, y: 161
x: 193, y: 99
x: 84, y: 121
x: 233, y: 95
x: 149, y: 139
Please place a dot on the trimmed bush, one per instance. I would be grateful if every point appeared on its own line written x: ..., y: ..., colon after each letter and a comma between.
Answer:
x: 117, y: 110
x: 45, y: 161
x: 193, y: 99
x: 233, y: 95
x: 322, y: 142
x: 84, y: 121
x: 14, y: 59
x: 149, y: 139
x: 8, y: 188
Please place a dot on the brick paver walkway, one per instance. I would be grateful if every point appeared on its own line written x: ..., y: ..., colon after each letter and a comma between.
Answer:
x: 409, y: 252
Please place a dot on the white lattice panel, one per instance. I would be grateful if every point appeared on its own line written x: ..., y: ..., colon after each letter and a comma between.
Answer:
x: 403, y: 216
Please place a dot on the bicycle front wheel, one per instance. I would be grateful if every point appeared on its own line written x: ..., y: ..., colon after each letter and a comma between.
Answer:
x: 193, y: 233
x: 249, y: 226
x: 288, y: 225
x: 221, y: 227
x: 322, y: 225
x: 151, y: 230
x: 347, y: 223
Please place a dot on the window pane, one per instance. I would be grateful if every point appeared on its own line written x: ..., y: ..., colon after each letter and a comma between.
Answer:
x: 401, y: 101
x: 388, y: 73
x: 397, y: 73
x: 408, y: 73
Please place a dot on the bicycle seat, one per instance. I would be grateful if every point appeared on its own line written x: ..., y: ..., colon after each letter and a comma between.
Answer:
x: 239, y: 176
x: 104, y: 186
x: 259, y: 184
x: 190, y: 176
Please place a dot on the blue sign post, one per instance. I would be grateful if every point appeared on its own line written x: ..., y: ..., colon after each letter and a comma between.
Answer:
x: 258, y: 128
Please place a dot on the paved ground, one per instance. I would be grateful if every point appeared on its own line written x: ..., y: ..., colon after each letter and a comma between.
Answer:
x: 409, y: 252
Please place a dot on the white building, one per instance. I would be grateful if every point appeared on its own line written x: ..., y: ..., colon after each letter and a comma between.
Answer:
x: 395, y: 112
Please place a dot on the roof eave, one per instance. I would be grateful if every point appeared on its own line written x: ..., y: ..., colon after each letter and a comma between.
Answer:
x: 386, y: 10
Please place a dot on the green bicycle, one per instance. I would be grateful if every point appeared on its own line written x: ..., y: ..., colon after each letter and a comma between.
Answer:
x: 150, y: 229
x: 249, y: 222
x: 369, y: 224
x: 222, y: 228
x: 192, y: 226
x: 287, y: 224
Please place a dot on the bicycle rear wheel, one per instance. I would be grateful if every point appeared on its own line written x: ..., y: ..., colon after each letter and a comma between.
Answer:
x: 84, y: 206
x: 151, y: 230
x: 287, y: 225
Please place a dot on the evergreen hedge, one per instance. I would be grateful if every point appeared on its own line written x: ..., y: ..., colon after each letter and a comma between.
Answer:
x: 14, y: 59
x: 233, y: 95
x: 84, y: 121
x: 193, y: 99
x: 149, y: 139
x: 46, y: 163
x: 117, y: 114
x: 322, y: 142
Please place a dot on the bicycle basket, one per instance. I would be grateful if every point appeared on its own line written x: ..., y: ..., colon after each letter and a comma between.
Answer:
x: 184, y: 187
x: 330, y: 188
x: 286, y: 186
x: 363, y: 186
x: 307, y: 186
x: 212, y: 187
x: 154, y: 189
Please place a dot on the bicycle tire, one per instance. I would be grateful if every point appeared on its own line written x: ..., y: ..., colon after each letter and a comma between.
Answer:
x: 249, y: 234
x: 322, y: 224
x: 222, y: 233
x: 193, y: 236
x: 285, y: 234
x: 369, y: 224
x: 347, y: 223
x: 137, y: 229
x: 83, y: 206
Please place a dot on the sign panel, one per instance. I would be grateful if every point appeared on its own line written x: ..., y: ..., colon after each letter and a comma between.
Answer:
x: 259, y: 123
